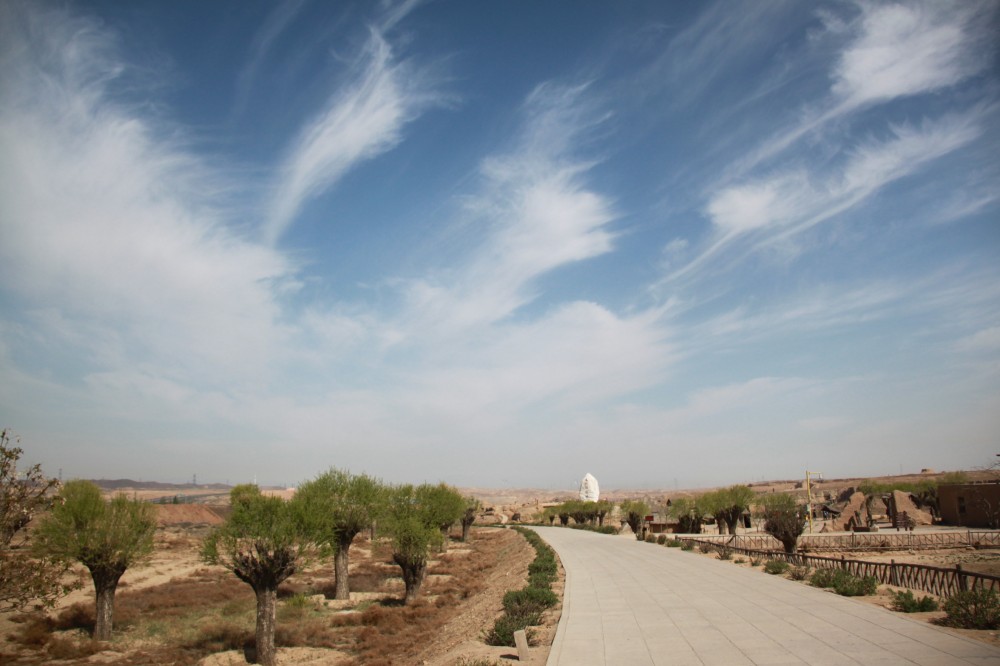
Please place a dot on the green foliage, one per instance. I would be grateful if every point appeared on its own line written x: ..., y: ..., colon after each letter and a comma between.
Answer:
x: 634, y: 512
x: 825, y: 577
x: 783, y: 519
x: 529, y: 599
x: 523, y: 608
x: 705, y: 547
x: 973, y: 609
x: 25, y: 579
x: 441, y: 505
x: 411, y: 526
x: 687, y: 545
x: 600, y: 529
x: 106, y: 537
x: 776, y: 567
x: 688, y: 514
x: 337, y: 505
x: 261, y: 541
x: 725, y: 554
x: 906, y: 602
x: 650, y: 538
x: 674, y: 543
x: 100, y: 535
x: 755, y: 561
x: 844, y: 583
x: 662, y: 539
x: 855, y: 586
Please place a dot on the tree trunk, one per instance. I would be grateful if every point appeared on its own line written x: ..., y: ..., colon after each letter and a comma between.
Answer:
x: 445, y: 529
x: 413, y: 578
x: 466, y: 528
x: 266, y: 652
x: 105, y: 611
x: 342, y: 589
x: 733, y: 523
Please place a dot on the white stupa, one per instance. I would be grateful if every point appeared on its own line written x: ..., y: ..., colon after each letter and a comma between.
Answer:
x: 589, y: 490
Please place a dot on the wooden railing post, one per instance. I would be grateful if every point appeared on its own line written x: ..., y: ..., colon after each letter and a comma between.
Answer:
x: 963, y: 580
x: 893, y: 575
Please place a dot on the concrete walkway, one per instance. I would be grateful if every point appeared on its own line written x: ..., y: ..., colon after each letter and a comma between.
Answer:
x: 629, y: 602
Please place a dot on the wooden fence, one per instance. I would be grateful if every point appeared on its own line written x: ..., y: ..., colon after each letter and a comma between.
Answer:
x: 863, y: 540
x: 941, y: 581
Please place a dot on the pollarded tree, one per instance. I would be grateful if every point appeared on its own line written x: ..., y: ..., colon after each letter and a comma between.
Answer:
x: 263, y: 542
x: 737, y: 500
x: 635, y: 512
x: 601, y: 509
x: 688, y: 515
x: 413, y: 528
x: 472, y: 509
x: 784, y: 519
x: 24, y: 579
x: 106, y: 537
x: 337, y: 506
x: 715, y: 504
x: 441, y: 505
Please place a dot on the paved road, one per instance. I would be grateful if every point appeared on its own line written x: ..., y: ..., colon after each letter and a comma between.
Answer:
x: 629, y: 603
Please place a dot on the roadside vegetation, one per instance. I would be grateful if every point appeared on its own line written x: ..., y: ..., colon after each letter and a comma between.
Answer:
x: 523, y: 608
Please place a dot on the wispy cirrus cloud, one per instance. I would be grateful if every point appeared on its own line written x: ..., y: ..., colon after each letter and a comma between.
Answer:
x: 121, y: 231
x: 889, y: 51
x: 361, y: 120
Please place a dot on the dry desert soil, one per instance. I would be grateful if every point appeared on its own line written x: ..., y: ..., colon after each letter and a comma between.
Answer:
x: 176, y: 610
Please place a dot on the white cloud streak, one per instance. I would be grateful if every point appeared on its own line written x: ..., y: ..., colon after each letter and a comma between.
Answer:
x: 360, y: 121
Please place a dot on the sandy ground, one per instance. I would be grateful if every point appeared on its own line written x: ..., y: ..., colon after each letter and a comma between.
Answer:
x: 460, y: 638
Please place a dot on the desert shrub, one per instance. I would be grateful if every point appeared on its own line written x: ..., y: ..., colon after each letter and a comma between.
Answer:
x: 503, y: 629
x: 755, y: 561
x: 739, y: 560
x: 650, y: 538
x: 675, y: 543
x: 36, y: 632
x: 662, y: 539
x: 906, y: 602
x: 687, y: 545
x: 973, y: 609
x: 798, y: 573
x: 477, y: 661
x: 529, y: 600
x: 855, y: 586
x: 725, y: 554
x: 600, y: 529
x: 705, y: 547
x: 776, y: 567
x: 825, y: 577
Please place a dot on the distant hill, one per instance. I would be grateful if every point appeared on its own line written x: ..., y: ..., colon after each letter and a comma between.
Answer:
x: 117, y: 484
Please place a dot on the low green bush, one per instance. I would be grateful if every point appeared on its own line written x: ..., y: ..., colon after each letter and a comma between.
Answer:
x: 776, y: 567
x: 674, y: 543
x: 725, y: 554
x: 662, y: 539
x: 825, y: 577
x: 705, y: 547
x: 687, y: 545
x: 529, y: 600
x: 600, y: 529
x: 973, y: 609
x: 503, y: 629
x: 906, y: 602
x: 650, y: 538
x: 739, y: 560
x: 856, y: 586
x: 755, y: 561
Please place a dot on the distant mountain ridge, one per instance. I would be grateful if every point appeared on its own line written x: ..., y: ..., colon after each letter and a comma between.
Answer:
x: 116, y: 484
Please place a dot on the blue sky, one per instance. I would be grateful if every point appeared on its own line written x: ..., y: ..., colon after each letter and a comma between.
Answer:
x: 500, y: 244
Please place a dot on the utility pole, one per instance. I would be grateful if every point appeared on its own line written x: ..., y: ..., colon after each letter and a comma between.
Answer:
x: 809, y: 497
